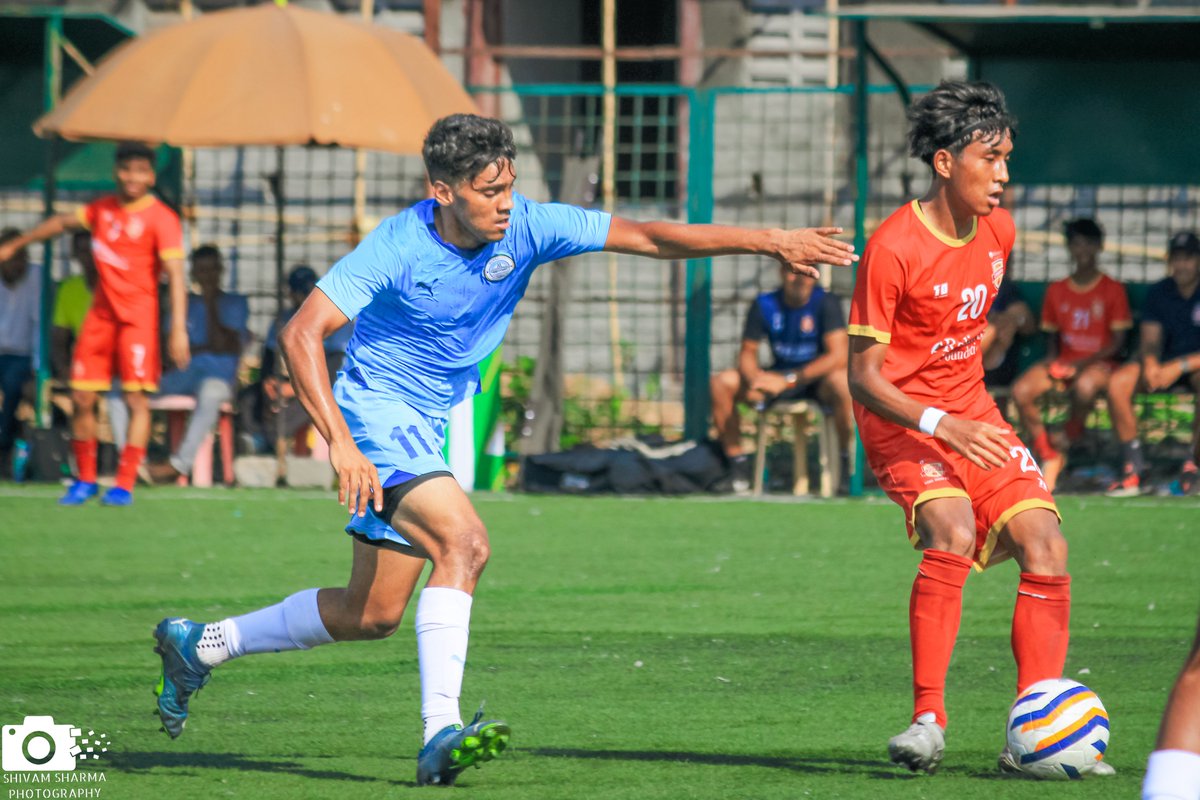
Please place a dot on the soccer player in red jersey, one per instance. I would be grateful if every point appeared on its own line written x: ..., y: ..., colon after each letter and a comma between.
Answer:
x: 135, y: 236
x: 1087, y: 315
x: 970, y: 491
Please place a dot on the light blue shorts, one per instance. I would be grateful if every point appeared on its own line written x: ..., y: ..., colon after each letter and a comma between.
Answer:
x: 399, y: 440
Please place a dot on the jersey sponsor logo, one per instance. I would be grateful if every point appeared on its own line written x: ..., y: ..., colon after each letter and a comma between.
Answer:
x: 933, y: 470
x: 109, y: 256
x: 951, y: 349
x: 499, y: 267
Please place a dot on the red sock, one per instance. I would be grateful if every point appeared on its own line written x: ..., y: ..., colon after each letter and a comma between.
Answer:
x: 934, y: 611
x: 85, y: 458
x: 1041, y: 627
x: 131, y: 459
x: 1042, y: 447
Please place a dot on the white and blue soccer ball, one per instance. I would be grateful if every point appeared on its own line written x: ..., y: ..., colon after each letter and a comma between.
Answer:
x: 1057, y: 728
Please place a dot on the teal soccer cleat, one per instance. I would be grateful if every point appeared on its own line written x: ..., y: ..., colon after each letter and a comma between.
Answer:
x: 78, y: 494
x: 182, y: 671
x: 116, y: 496
x: 454, y: 749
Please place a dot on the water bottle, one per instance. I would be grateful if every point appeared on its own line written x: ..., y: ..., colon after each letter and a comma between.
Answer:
x: 20, y: 461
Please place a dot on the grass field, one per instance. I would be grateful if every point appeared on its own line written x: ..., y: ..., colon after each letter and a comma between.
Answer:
x: 640, y: 648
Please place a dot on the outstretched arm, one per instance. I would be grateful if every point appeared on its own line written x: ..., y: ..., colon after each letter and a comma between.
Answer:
x: 982, y: 444
x: 302, y: 344
x: 800, y: 249
x: 46, y: 229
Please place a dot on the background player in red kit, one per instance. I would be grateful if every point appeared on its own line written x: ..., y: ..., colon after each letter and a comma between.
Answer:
x: 134, y: 237
x: 970, y: 491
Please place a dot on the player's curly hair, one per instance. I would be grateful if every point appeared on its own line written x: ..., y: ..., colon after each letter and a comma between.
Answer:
x: 128, y: 150
x: 460, y: 146
x: 949, y: 117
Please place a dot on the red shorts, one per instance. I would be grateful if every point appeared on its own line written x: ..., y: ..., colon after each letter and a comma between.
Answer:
x: 912, y: 468
x: 104, y: 341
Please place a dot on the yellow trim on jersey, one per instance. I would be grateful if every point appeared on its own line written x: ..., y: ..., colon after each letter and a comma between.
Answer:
x: 941, y: 237
x: 989, y: 544
x: 1122, y: 325
x: 139, y: 386
x: 141, y: 204
x: 81, y: 216
x: 91, y: 386
x: 869, y: 332
x: 1049, y: 327
x: 925, y: 497
x: 170, y: 254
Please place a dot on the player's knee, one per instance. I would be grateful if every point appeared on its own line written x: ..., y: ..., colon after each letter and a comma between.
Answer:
x: 476, y: 548
x: 83, y: 401
x: 379, y: 623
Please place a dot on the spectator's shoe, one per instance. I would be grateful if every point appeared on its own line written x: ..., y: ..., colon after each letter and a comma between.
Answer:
x: 116, y: 496
x: 741, y: 469
x: 159, y: 474
x: 78, y: 494
x: 1130, y: 485
x: 454, y: 749
x: 919, y: 748
x: 1187, y: 481
x: 182, y: 671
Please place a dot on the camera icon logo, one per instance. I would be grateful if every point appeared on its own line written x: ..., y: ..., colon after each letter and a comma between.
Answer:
x: 39, y: 745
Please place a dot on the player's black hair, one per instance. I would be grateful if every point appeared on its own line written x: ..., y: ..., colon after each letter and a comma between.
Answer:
x: 8, y: 234
x: 207, y: 251
x: 949, y: 117
x: 460, y: 146
x: 128, y: 150
x: 1084, y: 226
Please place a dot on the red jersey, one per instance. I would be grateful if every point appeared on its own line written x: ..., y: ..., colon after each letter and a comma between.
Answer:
x: 129, y: 244
x: 926, y: 296
x: 1084, y: 318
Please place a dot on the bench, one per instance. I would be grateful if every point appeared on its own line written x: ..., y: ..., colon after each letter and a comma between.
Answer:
x: 178, y: 407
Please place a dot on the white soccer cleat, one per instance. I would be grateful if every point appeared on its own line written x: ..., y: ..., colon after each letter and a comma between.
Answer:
x: 919, y: 748
x: 1103, y: 769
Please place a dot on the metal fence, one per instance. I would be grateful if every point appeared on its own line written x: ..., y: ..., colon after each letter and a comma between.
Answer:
x: 640, y: 335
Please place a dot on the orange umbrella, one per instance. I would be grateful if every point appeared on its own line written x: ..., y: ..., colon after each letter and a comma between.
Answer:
x: 264, y: 75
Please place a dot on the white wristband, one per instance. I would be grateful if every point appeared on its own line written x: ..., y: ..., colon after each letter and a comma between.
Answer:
x: 930, y: 418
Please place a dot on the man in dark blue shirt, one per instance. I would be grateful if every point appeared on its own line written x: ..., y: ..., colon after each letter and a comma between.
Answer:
x: 1170, y: 359
x: 804, y: 326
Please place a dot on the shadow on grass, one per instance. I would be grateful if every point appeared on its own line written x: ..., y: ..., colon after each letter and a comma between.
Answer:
x: 822, y: 765
x: 140, y: 762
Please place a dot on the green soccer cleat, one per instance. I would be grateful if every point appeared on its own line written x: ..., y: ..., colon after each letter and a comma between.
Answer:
x: 455, y: 748
x: 182, y: 671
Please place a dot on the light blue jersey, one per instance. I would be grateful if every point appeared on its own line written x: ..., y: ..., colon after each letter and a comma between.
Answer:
x: 428, y: 312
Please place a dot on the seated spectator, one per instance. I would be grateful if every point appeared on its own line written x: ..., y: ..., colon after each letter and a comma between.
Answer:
x: 278, y: 414
x: 1087, y: 317
x: 71, y: 303
x: 1008, y: 319
x: 20, y: 300
x: 807, y: 334
x: 1169, y: 360
x: 217, y: 331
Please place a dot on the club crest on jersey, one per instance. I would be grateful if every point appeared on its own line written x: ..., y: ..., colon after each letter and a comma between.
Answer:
x: 806, y: 324
x: 499, y: 267
x: 997, y: 257
x: 933, y: 470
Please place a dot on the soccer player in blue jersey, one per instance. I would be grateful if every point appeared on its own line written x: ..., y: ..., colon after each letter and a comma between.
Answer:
x: 432, y: 289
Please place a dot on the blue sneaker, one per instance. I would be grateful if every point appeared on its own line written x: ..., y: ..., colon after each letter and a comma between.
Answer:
x: 78, y: 494
x: 182, y: 671
x: 455, y: 748
x: 116, y: 496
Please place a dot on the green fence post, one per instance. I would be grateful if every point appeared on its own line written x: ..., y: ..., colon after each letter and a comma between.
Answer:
x: 52, y: 88
x: 862, y: 179
x: 698, y: 339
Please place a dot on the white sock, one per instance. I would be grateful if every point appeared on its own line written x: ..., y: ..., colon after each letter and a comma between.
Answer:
x: 1172, y: 775
x: 294, y: 624
x: 213, y: 648
x: 443, y: 626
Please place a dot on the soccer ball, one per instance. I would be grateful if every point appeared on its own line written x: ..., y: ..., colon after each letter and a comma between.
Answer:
x: 1057, y: 728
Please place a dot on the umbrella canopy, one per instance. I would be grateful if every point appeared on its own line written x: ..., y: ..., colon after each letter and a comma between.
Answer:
x: 264, y: 75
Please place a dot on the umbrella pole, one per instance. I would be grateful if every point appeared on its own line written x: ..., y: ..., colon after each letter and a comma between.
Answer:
x: 277, y: 180
x: 609, y: 77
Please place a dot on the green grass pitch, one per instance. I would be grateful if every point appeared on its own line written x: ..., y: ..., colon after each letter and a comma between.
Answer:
x: 656, y: 648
